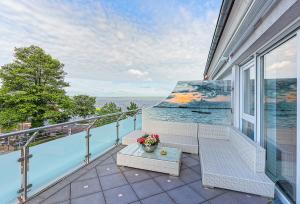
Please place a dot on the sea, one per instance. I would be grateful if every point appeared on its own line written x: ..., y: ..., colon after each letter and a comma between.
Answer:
x: 123, y: 102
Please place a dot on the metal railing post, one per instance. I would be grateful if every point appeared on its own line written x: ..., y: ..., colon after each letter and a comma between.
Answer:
x: 87, y: 142
x: 117, y: 129
x: 24, y: 160
x: 87, y: 146
x: 134, y: 122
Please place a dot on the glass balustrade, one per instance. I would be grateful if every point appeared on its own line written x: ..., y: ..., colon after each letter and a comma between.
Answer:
x: 54, y: 159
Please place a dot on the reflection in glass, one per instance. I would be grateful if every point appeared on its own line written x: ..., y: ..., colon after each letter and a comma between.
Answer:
x: 280, y: 103
x: 249, y: 90
x: 206, y: 102
x: 248, y: 129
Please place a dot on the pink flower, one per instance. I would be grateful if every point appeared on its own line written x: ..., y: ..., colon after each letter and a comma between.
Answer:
x: 141, y: 140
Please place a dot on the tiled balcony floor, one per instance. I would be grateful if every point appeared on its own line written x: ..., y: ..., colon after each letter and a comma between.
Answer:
x: 102, y: 181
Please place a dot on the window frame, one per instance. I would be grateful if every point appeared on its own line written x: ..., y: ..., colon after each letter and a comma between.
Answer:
x: 244, y: 116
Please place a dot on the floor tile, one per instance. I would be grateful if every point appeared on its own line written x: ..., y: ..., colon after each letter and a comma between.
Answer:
x: 162, y: 198
x: 184, y: 155
x: 136, y: 175
x: 80, y: 188
x: 185, y: 195
x: 183, y: 166
x: 194, y: 156
x: 95, y: 198
x: 206, y: 192
x: 60, y: 196
x: 146, y: 188
x: 109, y: 160
x: 155, y: 174
x: 197, y: 169
x: 64, y: 202
x: 248, y: 198
x: 120, y: 195
x: 225, y: 199
x: 188, y: 161
x: 90, y: 174
x: 188, y: 176
x: 169, y: 182
x: 107, y: 169
x: 114, y: 156
x: 125, y: 168
x: 112, y: 181
x: 136, y: 202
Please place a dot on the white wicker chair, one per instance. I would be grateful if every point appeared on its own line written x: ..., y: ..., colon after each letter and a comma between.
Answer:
x: 232, y: 161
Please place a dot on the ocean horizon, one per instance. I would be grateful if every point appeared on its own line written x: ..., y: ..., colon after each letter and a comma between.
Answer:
x: 123, y: 102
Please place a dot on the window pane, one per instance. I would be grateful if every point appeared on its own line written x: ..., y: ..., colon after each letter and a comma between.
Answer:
x: 248, y: 129
x: 280, y: 115
x: 249, y: 90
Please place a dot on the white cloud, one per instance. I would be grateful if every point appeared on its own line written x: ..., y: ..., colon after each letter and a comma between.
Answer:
x: 139, y: 74
x: 97, y: 43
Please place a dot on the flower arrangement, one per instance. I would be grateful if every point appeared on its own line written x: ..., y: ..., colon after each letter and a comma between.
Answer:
x: 149, y: 142
x: 149, y: 139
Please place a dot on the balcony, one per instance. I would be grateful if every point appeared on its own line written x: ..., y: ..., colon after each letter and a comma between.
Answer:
x: 102, y: 181
x: 79, y: 164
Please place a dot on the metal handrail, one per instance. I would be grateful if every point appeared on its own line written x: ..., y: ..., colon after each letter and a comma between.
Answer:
x: 25, y: 155
x: 6, y: 135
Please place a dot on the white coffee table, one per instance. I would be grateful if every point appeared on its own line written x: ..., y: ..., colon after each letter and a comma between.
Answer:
x: 134, y: 156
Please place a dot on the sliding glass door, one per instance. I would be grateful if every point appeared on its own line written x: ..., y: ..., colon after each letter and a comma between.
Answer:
x: 280, y: 115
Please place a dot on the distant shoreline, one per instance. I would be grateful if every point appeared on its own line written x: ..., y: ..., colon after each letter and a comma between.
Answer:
x: 123, y: 102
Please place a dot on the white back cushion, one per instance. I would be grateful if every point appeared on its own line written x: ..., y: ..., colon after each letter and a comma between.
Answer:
x: 170, y: 128
x: 252, y: 153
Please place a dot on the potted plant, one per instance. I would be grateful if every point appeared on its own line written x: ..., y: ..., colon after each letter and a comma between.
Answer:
x: 149, y: 142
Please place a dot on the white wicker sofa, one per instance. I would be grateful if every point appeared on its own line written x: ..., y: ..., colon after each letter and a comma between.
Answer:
x: 172, y: 134
x: 230, y: 160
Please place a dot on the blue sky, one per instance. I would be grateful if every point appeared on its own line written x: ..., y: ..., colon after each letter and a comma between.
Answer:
x: 114, y: 48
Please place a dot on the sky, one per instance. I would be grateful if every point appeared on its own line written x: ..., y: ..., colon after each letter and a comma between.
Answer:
x: 114, y: 47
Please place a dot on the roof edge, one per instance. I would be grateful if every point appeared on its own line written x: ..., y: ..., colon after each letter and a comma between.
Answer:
x: 221, y: 23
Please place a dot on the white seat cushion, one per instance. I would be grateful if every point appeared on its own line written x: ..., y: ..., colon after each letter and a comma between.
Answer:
x: 185, y: 143
x: 222, y: 167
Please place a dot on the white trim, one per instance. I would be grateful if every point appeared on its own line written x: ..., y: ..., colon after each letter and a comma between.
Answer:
x: 259, y: 98
x: 298, y: 119
x: 236, y: 96
x: 243, y: 116
x: 289, y: 29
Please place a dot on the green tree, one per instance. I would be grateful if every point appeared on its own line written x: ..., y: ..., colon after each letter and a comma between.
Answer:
x: 108, y: 108
x: 33, y: 89
x: 84, y: 106
x: 132, y: 106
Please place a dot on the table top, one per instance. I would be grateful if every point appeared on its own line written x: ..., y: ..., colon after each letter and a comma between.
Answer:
x: 173, y: 154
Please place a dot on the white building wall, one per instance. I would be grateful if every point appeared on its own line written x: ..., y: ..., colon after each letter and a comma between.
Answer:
x: 282, y: 18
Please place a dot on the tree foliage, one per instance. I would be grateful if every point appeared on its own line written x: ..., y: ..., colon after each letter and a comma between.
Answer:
x: 132, y: 106
x: 33, y: 89
x: 84, y: 106
x: 108, y: 108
